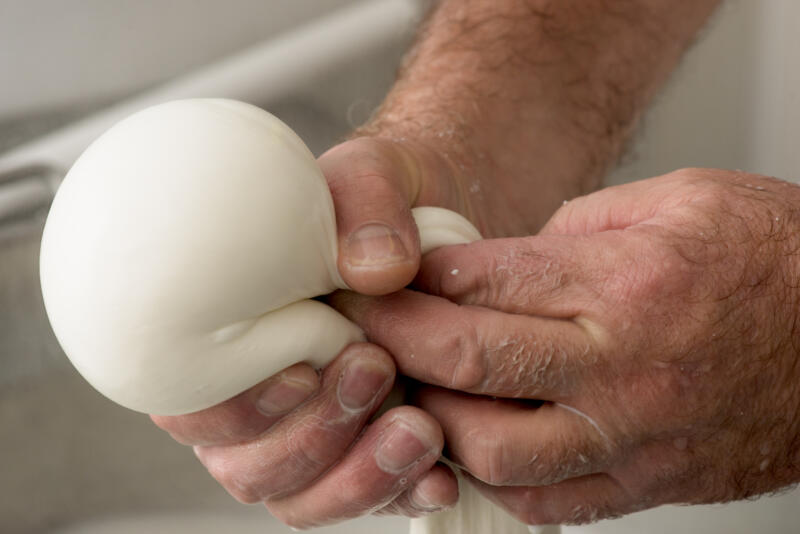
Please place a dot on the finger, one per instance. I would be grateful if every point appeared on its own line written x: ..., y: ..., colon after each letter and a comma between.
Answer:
x: 550, y: 276
x: 391, y: 455
x: 246, y: 415
x: 578, y: 500
x: 508, y: 443
x: 308, y: 441
x: 374, y: 182
x: 434, y: 491
x: 471, y: 348
x: 622, y: 206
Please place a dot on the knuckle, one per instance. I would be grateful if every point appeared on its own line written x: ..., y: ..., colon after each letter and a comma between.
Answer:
x: 356, y: 496
x: 314, y: 443
x: 238, y: 424
x: 231, y: 422
x: 462, y: 348
x: 650, y: 275
x: 697, y: 177
x: 371, y: 163
x: 533, y: 269
x: 566, y: 216
x: 367, y: 184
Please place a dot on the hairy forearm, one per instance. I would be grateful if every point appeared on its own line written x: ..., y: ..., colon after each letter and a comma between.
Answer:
x: 532, y: 101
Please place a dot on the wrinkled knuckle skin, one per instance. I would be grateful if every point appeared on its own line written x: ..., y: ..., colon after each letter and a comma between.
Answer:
x: 367, y: 158
x: 469, y: 370
x: 314, y: 444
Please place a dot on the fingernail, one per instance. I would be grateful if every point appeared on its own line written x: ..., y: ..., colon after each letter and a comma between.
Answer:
x: 361, y: 381
x: 400, y: 448
x: 422, y: 501
x: 375, y: 244
x: 284, y: 395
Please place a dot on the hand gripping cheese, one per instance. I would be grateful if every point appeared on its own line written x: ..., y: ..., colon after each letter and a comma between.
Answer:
x: 181, y: 256
x: 183, y: 249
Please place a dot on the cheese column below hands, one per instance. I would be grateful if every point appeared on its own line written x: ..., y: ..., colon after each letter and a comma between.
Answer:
x: 181, y: 254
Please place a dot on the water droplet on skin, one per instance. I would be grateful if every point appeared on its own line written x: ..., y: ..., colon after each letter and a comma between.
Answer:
x: 454, y: 272
x: 760, y: 188
x: 412, y: 356
x: 565, y: 203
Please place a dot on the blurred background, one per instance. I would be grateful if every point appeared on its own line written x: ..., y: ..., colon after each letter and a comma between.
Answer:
x: 71, y: 461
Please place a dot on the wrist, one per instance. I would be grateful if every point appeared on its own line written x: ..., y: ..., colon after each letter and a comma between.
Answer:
x: 532, y: 102
x: 506, y: 178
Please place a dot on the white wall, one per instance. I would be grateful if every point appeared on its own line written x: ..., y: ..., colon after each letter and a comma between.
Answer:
x: 57, y: 53
x: 733, y: 103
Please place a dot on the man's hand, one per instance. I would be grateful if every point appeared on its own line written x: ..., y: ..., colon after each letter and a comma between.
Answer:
x: 502, y: 110
x: 304, y: 444
x: 656, y: 322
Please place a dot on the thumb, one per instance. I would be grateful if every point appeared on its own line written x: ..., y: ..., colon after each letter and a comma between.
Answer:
x: 374, y: 182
